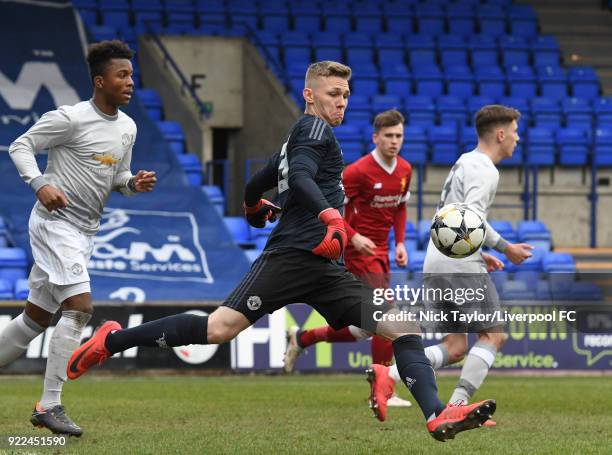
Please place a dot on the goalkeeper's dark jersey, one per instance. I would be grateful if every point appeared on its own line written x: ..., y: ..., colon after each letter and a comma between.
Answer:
x: 308, y: 174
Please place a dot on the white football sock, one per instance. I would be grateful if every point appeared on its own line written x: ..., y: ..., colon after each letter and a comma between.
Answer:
x: 66, y: 338
x: 16, y: 337
x: 393, y: 373
x: 474, y: 371
x: 437, y: 355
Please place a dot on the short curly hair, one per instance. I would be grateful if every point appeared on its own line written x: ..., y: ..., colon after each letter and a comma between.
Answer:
x: 100, y: 54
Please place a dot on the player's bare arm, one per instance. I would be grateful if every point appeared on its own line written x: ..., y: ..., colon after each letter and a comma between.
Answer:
x: 363, y: 245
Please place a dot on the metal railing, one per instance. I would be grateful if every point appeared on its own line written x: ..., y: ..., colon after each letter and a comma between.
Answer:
x: 186, y: 86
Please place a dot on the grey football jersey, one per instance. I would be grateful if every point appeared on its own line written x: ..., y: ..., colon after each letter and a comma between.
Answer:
x: 472, y: 180
x: 89, y: 156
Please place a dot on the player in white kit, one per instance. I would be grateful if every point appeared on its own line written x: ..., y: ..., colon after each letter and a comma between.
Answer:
x: 473, y: 181
x: 90, y: 149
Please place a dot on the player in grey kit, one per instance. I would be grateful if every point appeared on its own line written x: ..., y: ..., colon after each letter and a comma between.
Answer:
x: 90, y: 150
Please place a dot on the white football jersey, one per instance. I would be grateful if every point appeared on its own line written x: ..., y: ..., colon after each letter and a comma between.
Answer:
x: 89, y: 156
x: 473, y: 181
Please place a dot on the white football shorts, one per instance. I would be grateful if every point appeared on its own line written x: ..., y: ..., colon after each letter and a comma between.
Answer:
x: 61, y: 253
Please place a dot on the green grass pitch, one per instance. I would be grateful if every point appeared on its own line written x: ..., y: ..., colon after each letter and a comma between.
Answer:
x: 309, y: 414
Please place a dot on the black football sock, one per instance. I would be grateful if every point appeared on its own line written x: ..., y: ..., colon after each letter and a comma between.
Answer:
x: 177, y: 330
x: 417, y: 374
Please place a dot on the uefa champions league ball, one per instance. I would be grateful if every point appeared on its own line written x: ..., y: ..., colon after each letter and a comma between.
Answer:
x: 457, y: 231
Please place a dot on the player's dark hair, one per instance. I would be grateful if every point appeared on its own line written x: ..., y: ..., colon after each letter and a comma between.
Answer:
x: 100, y: 54
x: 388, y: 118
x: 494, y: 115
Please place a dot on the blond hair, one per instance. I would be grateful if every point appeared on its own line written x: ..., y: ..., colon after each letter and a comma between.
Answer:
x: 326, y: 68
x: 493, y: 115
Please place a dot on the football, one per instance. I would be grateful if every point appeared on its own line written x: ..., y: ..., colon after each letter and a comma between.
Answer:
x: 457, y: 231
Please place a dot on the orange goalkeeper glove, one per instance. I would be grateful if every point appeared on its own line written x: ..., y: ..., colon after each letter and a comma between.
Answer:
x: 261, y: 212
x: 333, y: 244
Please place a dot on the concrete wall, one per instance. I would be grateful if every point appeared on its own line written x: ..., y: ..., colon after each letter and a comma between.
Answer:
x: 246, y: 97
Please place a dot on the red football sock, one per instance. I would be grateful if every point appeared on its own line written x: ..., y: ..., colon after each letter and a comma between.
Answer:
x: 325, y: 333
x: 382, y: 351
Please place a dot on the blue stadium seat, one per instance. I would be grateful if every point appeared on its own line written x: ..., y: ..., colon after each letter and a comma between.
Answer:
x: 310, y: 23
x: 459, y: 81
x: 239, y: 228
x: 531, y: 230
x: 102, y: 32
x: 545, y: 51
x: 173, y: 133
x: 584, y: 82
x: 523, y: 21
x: 451, y: 109
x: 179, y: 12
x: 453, y: 50
x: 416, y: 260
x: 516, y: 290
x: 347, y: 133
x: 390, y: 57
x: 151, y: 102
x: 553, y: 81
x: 6, y: 289
x: 423, y: 228
x: 415, y: 152
x: 521, y: 81
x: 397, y: 80
x: 359, y: 56
x: 147, y: 11
x: 602, y: 109
x: 400, y: 24
x: 274, y: 22
x: 430, y: 19
x: 13, y: 264
x: 214, y: 195
x: 574, y: 145
x: 421, y: 50
x: 351, y: 151
x: 192, y: 167
x: 4, y: 239
x: 514, y: 50
x: 461, y: 19
x: 338, y: 24
x: 586, y: 292
x: 428, y: 80
x: 420, y: 110
x: 491, y: 20
x: 115, y: 13
x: 326, y: 39
x: 578, y: 112
x: 22, y: 289
x: 468, y: 138
x: 529, y: 278
x: 483, y: 51
x: 328, y: 53
x: 444, y: 154
x: 385, y: 102
x: 558, y: 262
x: 491, y: 81
x: 368, y: 24
x: 474, y: 103
x: 505, y: 229
x: 546, y: 112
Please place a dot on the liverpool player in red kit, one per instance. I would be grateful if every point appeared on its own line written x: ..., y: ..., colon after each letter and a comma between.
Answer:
x: 376, y: 189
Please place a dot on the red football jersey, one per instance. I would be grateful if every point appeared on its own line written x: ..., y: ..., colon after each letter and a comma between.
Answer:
x: 376, y: 199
